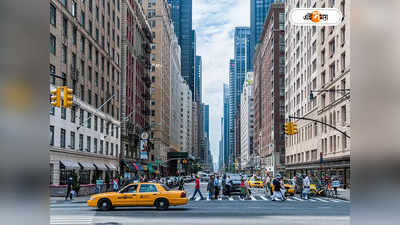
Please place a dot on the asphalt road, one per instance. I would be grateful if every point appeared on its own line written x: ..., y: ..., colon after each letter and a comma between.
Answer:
x: 258, y: 210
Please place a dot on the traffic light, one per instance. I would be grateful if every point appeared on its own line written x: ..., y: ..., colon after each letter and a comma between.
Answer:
x: 56, y: 97
x: 288, y: 128
x: 68, y: 97
x: 294, y: 128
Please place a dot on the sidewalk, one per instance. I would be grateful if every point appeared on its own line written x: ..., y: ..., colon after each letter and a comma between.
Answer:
x: 344, y: 194
x: 80, y: 199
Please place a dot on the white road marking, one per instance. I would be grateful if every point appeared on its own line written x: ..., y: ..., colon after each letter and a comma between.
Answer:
x: 312, y: 200
x: 253, y: 198
x: 231, y: 199
x: 198, y: 198
x: 264, y: 198
x: 70, y: 220
x: 298, y: 199
x: 322, y: 200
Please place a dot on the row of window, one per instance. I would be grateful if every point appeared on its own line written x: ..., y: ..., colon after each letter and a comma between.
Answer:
x: 87, y: 121
x: 99, y: 146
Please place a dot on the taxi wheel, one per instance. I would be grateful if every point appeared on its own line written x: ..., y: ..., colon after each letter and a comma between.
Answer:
x: 162, y: 204
x: 104, y: 205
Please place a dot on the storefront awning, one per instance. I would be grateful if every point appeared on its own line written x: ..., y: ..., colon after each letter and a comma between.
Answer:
x: 70, y: 164
x: 87, y: 165
x: 112, y: 166
x: 100, y: 166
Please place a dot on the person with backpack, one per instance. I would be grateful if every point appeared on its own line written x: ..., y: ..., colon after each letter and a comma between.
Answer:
x: 228, y: 186
x: 181, y: 183
x: 277, y: 189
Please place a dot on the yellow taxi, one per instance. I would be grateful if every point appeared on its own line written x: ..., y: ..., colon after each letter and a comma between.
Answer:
x: 139, y: 194
x: 254, y: 182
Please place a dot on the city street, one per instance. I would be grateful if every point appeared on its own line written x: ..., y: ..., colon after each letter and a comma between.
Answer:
x: 258, y: 210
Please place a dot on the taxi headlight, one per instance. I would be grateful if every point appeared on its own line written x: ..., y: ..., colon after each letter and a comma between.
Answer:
x: 92, y: 198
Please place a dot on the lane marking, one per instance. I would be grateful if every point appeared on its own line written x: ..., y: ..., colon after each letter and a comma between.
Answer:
x: 198, y: 198
x: 253, y: 198
x: 312, y: 200
x: 231, y: 199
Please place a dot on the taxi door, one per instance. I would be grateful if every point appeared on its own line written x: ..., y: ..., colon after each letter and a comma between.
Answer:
x: 148, y: 193
x: 127, y: 196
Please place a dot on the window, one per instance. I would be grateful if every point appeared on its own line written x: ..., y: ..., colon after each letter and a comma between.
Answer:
x: 101, y: 147
x: 343, y: 113
x: 95, y: 123
x: 88, y: 143
x: 131, y: 188
x: 62, y: 138
x: 95, y: 145
x: 82, y: 44
x: 343, y: 61
x: 322, y: 78
x: 332, y: 71
x: 52, y: 135
x: 116, y: 132
x: 97, y: 34
x: 81, y: 142
x: 97, y: 78
x: 314, y: 46
x: 112, y: 149
x: 72, y: 140
x: 101, y: 125
x: 102, y: 21
x: 147, y: 188
x: 89, y: 97
x: 52, y: 44
x: 64, y: 54
x: 323, y: 57
x: 74, y: 33
x: 74, y: 7
x: 82, y: 93
x: 323, y: 100
x: 107, y: 144
x: 89, y: 120
x: 97, y: 13
x: 63, y: 111
x: 314, y: 65
x: 65, y: 27
x: 96, y: 101
x: 332, y: 47
x: 90, y: 5
x: 83, y: 19
x: 64, y: 2
x: 81, y: 116
x: 322, y: 35
x: 53, y: 17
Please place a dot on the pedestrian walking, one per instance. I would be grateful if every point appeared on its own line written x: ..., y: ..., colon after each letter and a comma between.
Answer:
x: 306, y: 187
x: 115, y: 184
x: 69, y: 188
x: 228, y: 186
x: 299, y: 185
x: 268, y: 185
x: 277, y: 195
x: 217, y: 186
x: 181, y: 183
x: 197, y: 189
x: 211, y: 187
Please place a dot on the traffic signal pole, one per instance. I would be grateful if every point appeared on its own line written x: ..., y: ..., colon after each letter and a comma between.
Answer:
x: 317, y: 121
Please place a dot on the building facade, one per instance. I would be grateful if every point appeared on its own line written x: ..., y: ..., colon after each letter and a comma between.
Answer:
x: 186, y: 117
x: 135, y: 87
x: 176, y: 121
x: 269, y: 92
x: 158, y: 16
x: 85, y: 49
x: 247, y: 123
x: 198, y: 79
x: 226, y: 131
x: 317, y: 148
x: 196, y: 129
x: 181, y: 15
x: 237, y: 74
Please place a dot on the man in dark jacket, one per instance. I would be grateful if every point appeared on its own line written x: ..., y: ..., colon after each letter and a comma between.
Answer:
x: 277, y: 188
x: 69, y: 188
x: 211, y: 188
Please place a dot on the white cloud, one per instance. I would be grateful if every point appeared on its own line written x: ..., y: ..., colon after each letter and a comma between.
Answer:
x: 214, y: 22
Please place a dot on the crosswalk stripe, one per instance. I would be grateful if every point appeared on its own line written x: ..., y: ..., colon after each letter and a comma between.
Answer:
x: 298, y: 199
x: 334, y: 200
x: 312, y: 200
x: 198, y: 198
x: 322, y: 200
x: 263, y: 198
x: 290, y: 200
x: 253, y: 198
x: 231, y: 199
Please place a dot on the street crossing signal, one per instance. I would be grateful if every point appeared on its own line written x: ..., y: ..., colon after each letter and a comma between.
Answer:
x: 68, y: 97
x: 56, y: 97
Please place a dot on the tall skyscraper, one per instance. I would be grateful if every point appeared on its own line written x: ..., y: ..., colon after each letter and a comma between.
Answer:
x: 181, y: 15
x: 258, y: 12
x: 198, y: 77
x: 237, y: 72
x: 206, y: 120
x: 226, y: 125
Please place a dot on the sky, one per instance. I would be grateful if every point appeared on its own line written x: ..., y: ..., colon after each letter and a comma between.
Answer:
x: 214, y: 22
